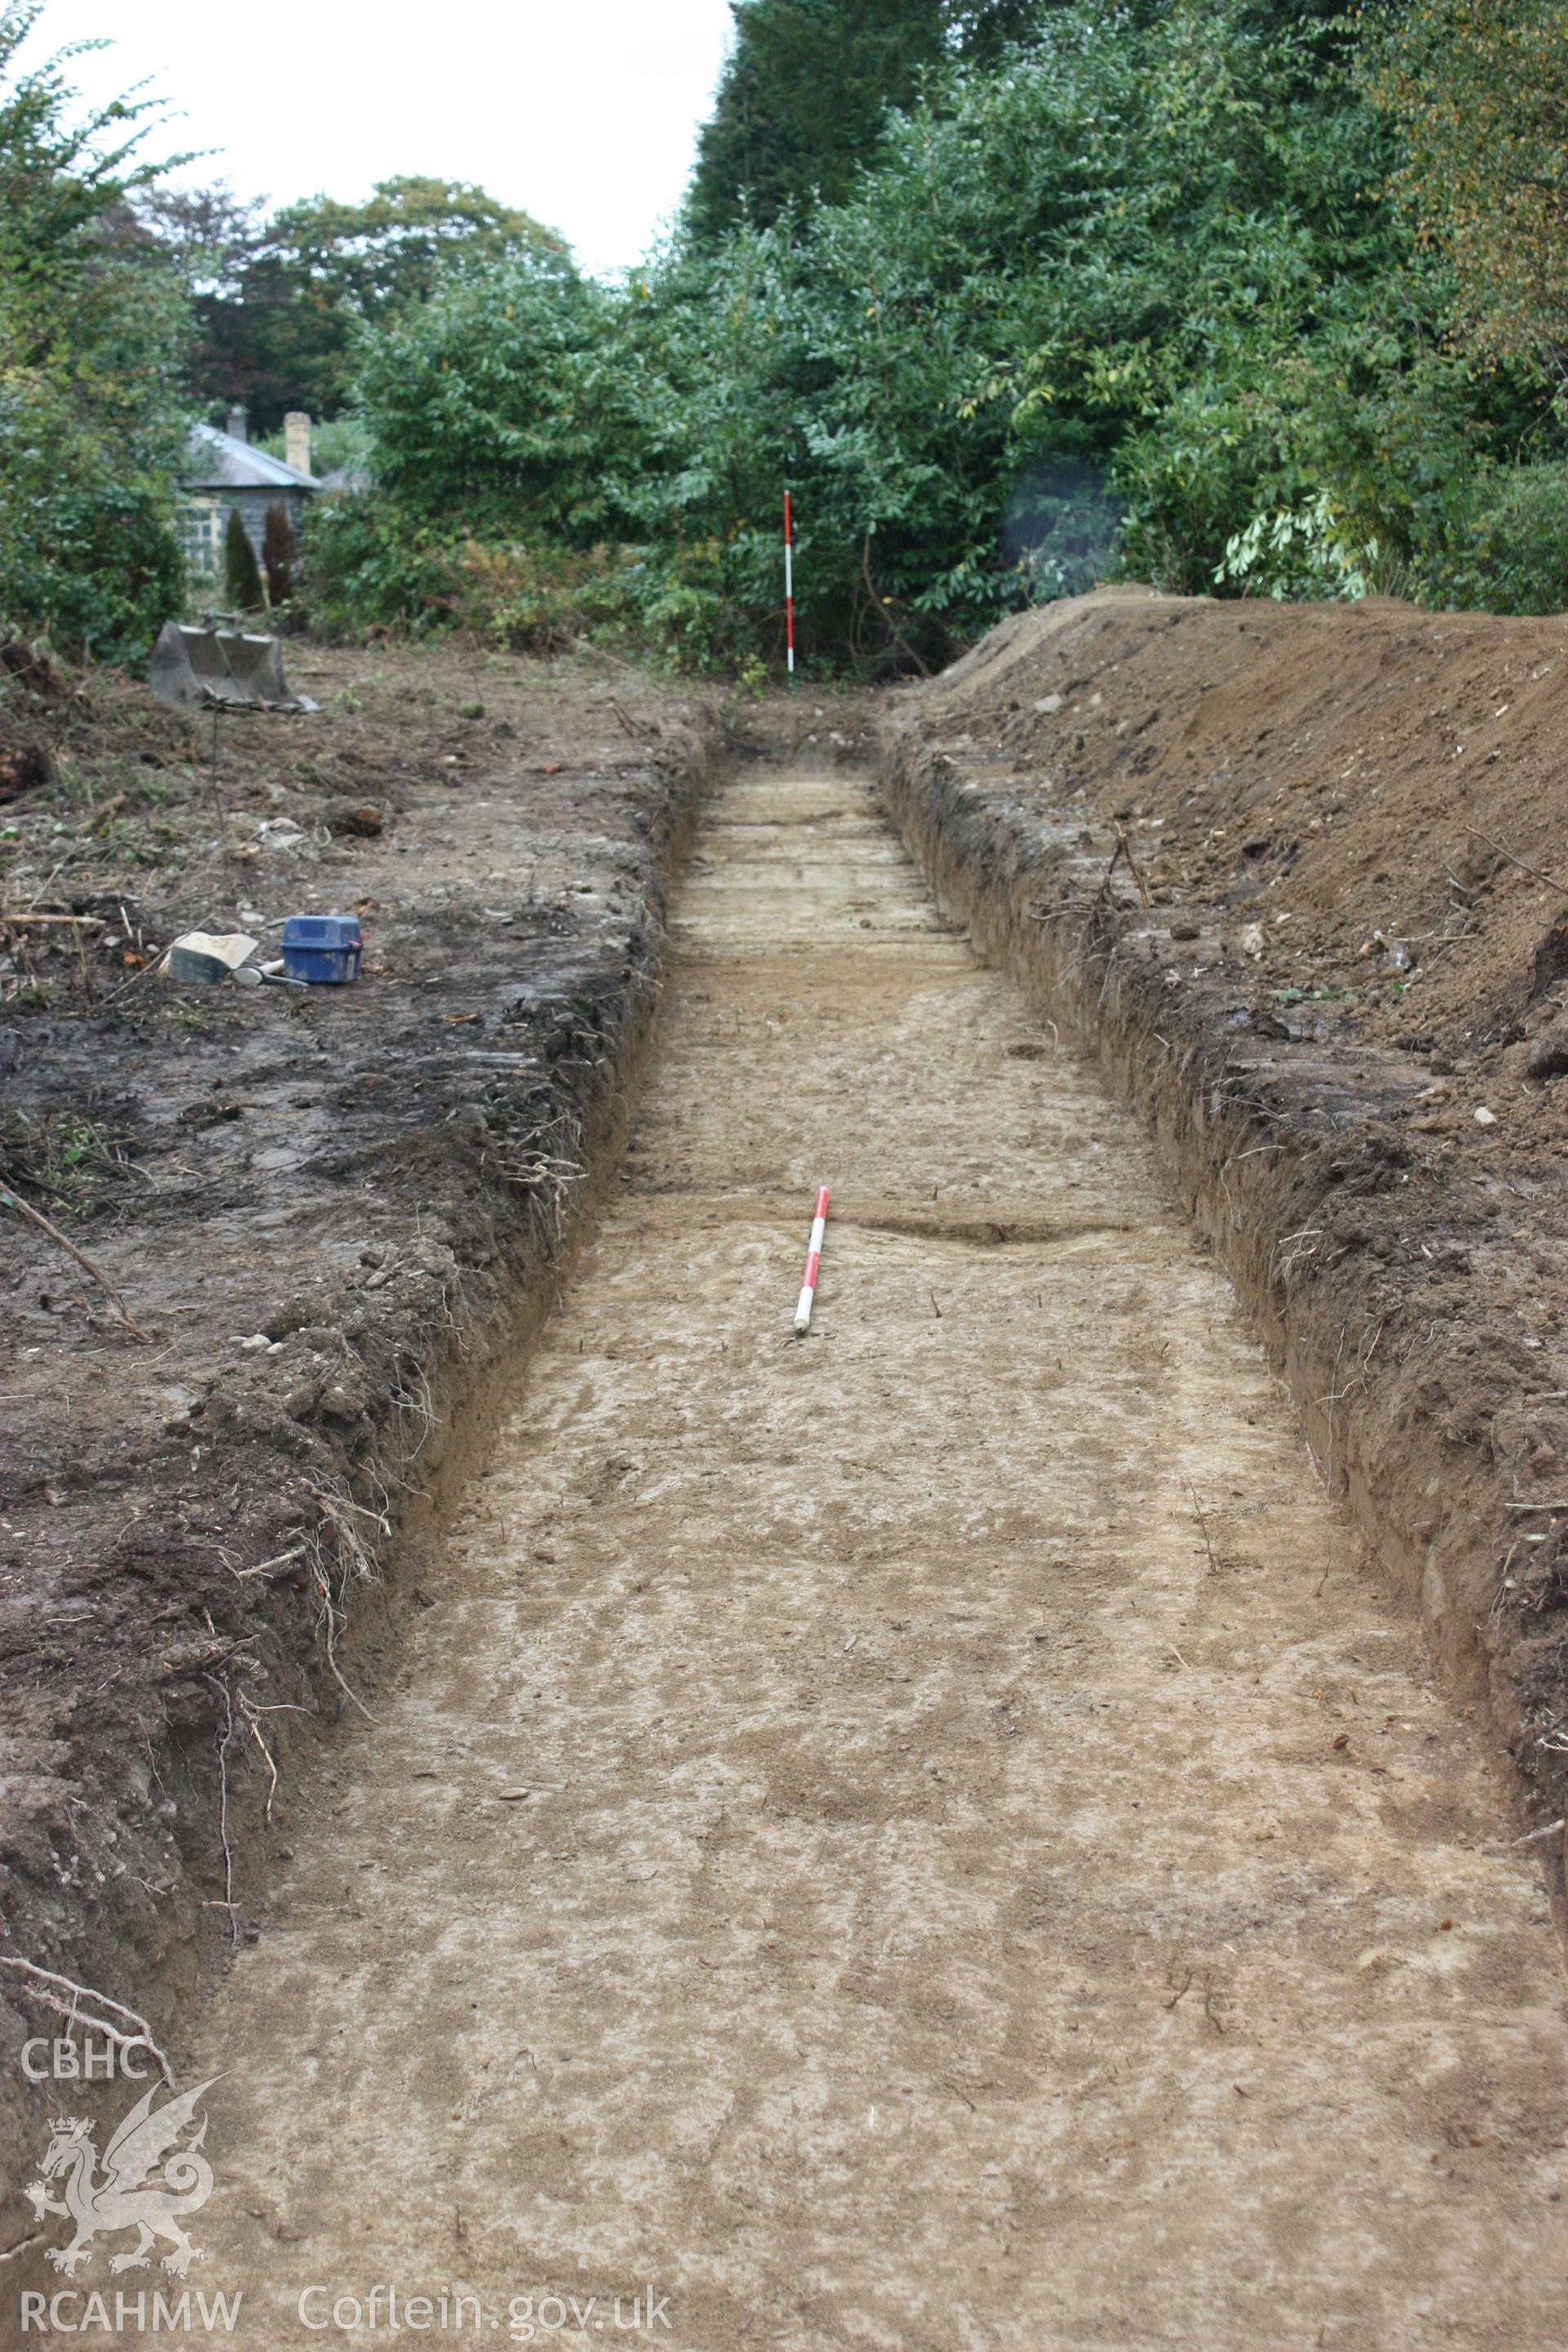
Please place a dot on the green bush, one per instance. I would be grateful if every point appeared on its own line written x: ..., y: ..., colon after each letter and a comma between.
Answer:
x: 1118, y: 263
x: 90, y: 562
x: 1129, y: 297
x: 509, y: 402
x: 367, y: 563
x: 545, y: 599
x: 92, y: 335
x: 1513, y: 554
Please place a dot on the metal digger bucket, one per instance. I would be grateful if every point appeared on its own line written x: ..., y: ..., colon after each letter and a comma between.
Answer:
x: 196, y: 667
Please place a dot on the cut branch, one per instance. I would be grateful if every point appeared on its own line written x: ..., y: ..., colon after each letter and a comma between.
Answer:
x: 35, y: 1217
x: 1550, y: 879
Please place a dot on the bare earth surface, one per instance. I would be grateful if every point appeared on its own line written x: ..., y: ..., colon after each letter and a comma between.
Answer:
x: 928, y: 1839
x: 319, y: 1206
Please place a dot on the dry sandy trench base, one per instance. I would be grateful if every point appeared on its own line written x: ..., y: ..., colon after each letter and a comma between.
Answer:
x: 926, y: 1838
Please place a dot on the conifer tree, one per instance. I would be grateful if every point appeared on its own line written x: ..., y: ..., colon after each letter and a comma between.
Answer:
x: 241, y: 572
x: 278, y: 550
x: 800, y: 105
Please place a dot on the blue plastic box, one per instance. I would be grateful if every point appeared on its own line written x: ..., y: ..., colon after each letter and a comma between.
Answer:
x: 323, y: 948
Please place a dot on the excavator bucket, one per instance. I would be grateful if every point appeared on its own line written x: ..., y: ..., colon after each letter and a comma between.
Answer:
x: 196, y: 667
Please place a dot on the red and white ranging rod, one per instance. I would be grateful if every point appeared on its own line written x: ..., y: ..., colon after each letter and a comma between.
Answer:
x: 789, y: 582
x: 814, y: 1260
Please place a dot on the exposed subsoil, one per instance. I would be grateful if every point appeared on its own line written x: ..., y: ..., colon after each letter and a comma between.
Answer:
x: 933, y: 1837
x: 1332, y: 977
x: 322, y: 1210
x: 929, y: 1837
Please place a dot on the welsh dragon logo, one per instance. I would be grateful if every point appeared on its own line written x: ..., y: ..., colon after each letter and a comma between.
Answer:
x: 130, y: 2193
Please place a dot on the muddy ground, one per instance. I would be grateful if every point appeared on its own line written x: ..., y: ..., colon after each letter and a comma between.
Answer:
x: 1329, y: 964
x: 318, y: 1207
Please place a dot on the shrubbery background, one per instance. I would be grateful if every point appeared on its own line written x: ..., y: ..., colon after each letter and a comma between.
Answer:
x: 1231, y: 295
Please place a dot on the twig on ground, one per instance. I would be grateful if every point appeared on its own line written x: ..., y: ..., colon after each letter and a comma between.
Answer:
x: 1297, y: 1245
x: 1102, y: 898
x: 1505, y: 1585
x: 35, y: 1217
x: 353, y: 1559
x: 79, y: 922
x: 330, y: 1628
x: 1549, y: 1828
x: 334, y: 1507
x: 50, y: 877
x: 1338, y: 1395
x: 1550, y: 879
x: 637, y: 728
x: 884, y: 608
x: 1126, y: 848
x: 1203, y: 1525
x: 418, y: 1406
x: 217, y: 800
x: 268, y: 1567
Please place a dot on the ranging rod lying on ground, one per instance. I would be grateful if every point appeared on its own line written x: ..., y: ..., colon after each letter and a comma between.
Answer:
x: 814, y: 1260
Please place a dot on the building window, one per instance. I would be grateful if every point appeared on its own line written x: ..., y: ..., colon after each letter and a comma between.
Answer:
x: 201, y: 529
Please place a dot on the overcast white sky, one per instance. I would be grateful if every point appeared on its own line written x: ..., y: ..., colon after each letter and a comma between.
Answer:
x: 583, y: 112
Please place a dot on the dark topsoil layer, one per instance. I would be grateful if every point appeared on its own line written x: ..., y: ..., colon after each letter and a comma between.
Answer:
x: 1329, y: 964
x: 323, y: 1208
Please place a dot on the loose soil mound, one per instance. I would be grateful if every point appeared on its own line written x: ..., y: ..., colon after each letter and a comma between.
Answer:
x: 1359, y: 782
x: 1295, y: 872
x: 315, y: 1207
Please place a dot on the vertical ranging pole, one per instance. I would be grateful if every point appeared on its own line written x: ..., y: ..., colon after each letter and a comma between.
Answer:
x: 814, y: 1260
x: 789, y: 582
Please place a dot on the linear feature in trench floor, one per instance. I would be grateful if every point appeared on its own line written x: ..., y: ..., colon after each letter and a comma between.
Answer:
x: 927, y: 1837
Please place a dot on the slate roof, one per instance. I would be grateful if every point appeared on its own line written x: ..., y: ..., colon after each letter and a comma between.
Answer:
x: 218, y: 461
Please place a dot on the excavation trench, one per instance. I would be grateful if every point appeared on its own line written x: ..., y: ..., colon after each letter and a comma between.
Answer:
x: 929, y: 1837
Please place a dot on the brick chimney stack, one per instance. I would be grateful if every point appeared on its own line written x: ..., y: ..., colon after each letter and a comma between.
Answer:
x: 239, y: 423
x: 297, y: 440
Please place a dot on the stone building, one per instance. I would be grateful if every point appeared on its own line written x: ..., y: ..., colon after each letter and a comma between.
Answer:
x: 224, y: 470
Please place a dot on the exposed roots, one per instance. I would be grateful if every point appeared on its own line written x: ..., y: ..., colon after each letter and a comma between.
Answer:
x: 339, y: 1555
x: 44, y: 1986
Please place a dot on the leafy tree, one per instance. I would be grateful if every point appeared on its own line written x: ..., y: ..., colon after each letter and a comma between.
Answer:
x: 1133, y: 292
x: 379, y: 257
x: 508, y: 400
x: 1478, y: 90
x: 278, y: 300
x: 92, y: 335
x: 1136, y: 258
x: 256, y: 344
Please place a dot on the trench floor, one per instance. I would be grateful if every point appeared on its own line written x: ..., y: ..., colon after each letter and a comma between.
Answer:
x: 931, y: 1837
